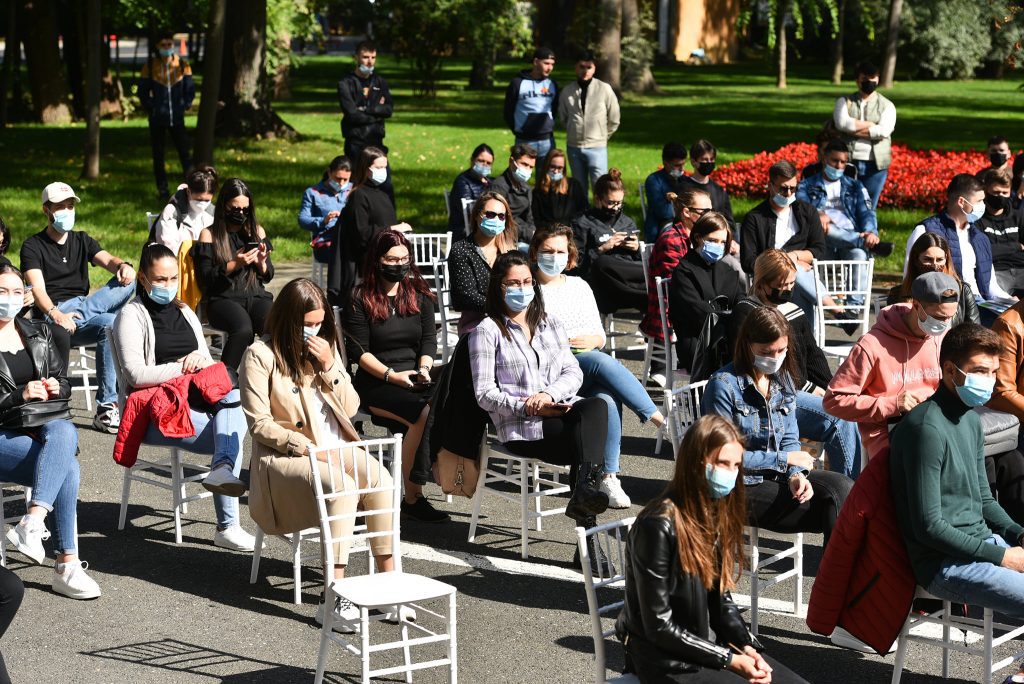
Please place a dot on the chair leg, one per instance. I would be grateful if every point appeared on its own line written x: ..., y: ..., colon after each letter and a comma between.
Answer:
x: 524, y: 520
x: 478, y: 495
x: 901, y: 654
x: 645, y: 372
x: 539, y: 521
x: 176, y: 494
x: 126, y: 489
x: 755, y: 580
x: 946, y: 624
x: 986, y: 673
x: 453, y: 651
x: 256, y: 553
x: 364, y: 651
x: 659, y: 438
x: 325, y: 637
x: 798, y: 563
x: 297, y: 567
x: 405, y: 647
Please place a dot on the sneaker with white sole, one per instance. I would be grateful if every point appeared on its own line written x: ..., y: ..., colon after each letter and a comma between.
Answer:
x: 611, y: 486
x: 71, y: 580
x: 107, y: 418
x: 407, y: 613
x: 28, y: 537
x: 346, y: 616
x: 235, y: 539
x: 221, y: 480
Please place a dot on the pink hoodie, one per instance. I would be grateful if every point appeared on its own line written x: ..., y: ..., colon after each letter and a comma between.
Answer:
x: 885, y: 362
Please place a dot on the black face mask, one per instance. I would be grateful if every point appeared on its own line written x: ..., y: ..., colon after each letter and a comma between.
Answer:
x: 705, y: 168
x: 395, y: 273
x: 779, y: 296
x: 997, y: 202
x: 868, y: 87
x: 237, y: 216
x: 997, y: 158
x: 608, y: 215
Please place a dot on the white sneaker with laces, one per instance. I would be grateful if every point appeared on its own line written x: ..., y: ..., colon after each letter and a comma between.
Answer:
x: 346, y: 616
x: 235, y: 539
x: 28, y: 536
x: 659, y: 379
x: 221, y: 480
x: 611, y: 486
x: 407, y: 613
x: 70, y: 580
x: 107, y: 418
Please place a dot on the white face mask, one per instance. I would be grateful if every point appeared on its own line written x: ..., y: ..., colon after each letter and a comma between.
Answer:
x: 934, y: 326
x: 310, y: 331
x: 769, y: 365
x: 197, y: 207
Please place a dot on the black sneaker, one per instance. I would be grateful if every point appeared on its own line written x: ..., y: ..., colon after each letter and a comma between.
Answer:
x: 848, y: 328
x: 882, y: 249
x: 422, y: 511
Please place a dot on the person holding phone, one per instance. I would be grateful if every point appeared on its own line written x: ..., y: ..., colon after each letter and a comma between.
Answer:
x: 392, y: 336
x: 527, y: 379
x: 232, y: 262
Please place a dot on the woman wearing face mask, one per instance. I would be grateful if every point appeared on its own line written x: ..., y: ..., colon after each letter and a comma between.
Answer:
x: 931, y: 253
x: 701, y: 283
x: 570, y: 300
x: 39, y: 450
x: 683, y: 553
x: 526, y: 378
x: 757, y: 392
x: 609, y: 248
x: 180, y: 224
x: 393, y: 338
x: 322, y: 204
x: 158, y: 339
x: 469, y: 185
x: 492, y: 233
x: 232, y: 261
x: 556, y: 197
x: 774, y: 280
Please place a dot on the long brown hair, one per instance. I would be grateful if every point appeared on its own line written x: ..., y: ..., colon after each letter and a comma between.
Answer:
x: 710, y: 222
x: 372, y: 291
x: 709, y: 531
x: 366, y: 158
x: 765, y: 325
x: 506, y: 240
x: 285, y: 321
x: 219, y: 233
x: 544, y: 182
x: 923, y: 243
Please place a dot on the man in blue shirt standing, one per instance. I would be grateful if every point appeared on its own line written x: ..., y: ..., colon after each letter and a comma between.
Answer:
x: 530, y: 101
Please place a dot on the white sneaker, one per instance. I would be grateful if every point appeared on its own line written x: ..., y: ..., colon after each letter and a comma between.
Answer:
x: 70, y: 580
x: 28, y: 536
x: 842, y: 638
x: 407, y: 613
x: 346, y: 616
x: 659, y: 379
x: 611, y: 486
x: 107, y: 418
x: 221, y: 480
x: 235, y: 539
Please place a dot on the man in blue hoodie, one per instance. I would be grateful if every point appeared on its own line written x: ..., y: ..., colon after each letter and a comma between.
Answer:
x: 530, y: 101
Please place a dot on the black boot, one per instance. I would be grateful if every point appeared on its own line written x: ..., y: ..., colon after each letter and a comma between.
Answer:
x: 587, y: 498
x: 600, y: 562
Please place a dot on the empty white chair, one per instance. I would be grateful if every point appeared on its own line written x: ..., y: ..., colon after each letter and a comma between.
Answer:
x: 612, y: 539
x: 843, y: 281
x: 387, y: 592
x: 428, y: 248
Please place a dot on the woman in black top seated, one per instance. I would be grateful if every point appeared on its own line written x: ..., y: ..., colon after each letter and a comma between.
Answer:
x: 556, y: 197
x: 232, y: 262
x: 390, y: 323
x: 682, y: 552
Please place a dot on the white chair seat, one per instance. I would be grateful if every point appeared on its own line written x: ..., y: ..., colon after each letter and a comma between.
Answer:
x: 388, y: 588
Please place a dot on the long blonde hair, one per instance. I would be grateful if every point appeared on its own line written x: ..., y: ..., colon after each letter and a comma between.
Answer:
x: 770, y: 266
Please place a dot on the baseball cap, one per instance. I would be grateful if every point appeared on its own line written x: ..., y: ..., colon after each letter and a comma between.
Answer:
x: 58, y: 192
x: 935, y: 288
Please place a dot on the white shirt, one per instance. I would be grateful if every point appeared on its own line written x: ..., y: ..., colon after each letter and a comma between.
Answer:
x: 574, y: 305
x: 785, y: 226
x: 834, y: 206
x: 321, y: 411
x: 969, y: 263
x: 862, y: 149
x: 169, y: 233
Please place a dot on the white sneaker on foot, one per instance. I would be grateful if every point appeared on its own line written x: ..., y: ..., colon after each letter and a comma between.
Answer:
x: 407, y: 613
x: 27, y: 537
x: 235, y: 539
x: 221, y: 480
x: 659, y: 379
x: 107, y: 418
x: 611, y: 486
x: 70, y: 580
x: 346, y: 616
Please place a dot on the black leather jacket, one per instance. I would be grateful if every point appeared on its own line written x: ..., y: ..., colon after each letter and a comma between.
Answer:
x: 667, y: 616
x: 46, y: 360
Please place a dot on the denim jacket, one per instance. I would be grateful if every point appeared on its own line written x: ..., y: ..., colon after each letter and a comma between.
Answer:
x: 769, y: 427
x: 855, y: 199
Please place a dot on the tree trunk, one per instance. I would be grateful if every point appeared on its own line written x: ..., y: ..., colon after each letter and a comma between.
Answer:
x: 12, y: 43
x: 481, y: 73
x: 244, y: 87
x: 93, y: 76
x: 213, y: 55
x: 780, y: 41
x: 282, y: 84
x: 892, y: 43
x: 609, y: 48
x: 642, y: 81
x: 71, y: 25
x: 837, y: 44
x: 50, y: 101
x: 552, y: 23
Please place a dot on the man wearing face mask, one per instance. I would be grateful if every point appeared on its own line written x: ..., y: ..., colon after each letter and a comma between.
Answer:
x: 867, y: 120
x: 1002, y: 226
x: 56, y: 264
x: 659, y: 211
x: 166, y: 91
x: 530, y: 102
x: 590, y: 111
x: 703, y: 156
x: 894, y: 367
x: 999, y: 156
x: 366, y: 105
x: 514, y: 186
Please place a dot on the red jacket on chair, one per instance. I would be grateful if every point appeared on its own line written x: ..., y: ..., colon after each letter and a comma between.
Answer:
x: 865, y: 583
x: 167, y: 405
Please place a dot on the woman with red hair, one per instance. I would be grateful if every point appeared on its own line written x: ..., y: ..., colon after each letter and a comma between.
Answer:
x: 390, y: 326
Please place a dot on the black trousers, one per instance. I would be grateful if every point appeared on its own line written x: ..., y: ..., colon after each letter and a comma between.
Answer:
x: 648, y: 675
x: 771, y: 506
x: 1006, y: 479
x: 574, y: 438
x: 158, y: 141
x: 241, y: 319
x: 11, y: 593
x: 618, y: 283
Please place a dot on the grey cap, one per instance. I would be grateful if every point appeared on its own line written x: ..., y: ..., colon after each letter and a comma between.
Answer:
x: 935, y: 288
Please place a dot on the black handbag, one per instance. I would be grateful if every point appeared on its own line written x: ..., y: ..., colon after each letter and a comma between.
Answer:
x: 33, y: 414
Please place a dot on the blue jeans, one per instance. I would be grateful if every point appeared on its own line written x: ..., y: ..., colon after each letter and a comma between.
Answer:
x: 46, y: 461
x: 840, y: 437
x: 607, y: 379
x: 981, y: 583
x: 847, y: 245
x: 543, y: 146
x: 803, y: 293
x: 873, y: 179
x: 220, y: 437
x: 587, y: 164
x: 98, y: 311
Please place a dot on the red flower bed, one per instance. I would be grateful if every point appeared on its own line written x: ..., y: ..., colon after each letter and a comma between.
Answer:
x: 917, y: 178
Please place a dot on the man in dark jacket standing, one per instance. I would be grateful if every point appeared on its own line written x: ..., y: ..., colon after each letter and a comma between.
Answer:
x: 530, y: 101
x: 166, y: 90
x: 514, y: 184
x: 365, y: 105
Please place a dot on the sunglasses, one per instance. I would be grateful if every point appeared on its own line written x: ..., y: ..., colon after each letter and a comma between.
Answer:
x: 500, y: 215
x: 699, y: 211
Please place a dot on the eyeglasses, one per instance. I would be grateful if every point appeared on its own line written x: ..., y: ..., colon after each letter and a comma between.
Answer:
x: 500, y: 215
x: 395, y: 261
x: 699, y: 211
x: 614, y: 205
x: 518, y: 283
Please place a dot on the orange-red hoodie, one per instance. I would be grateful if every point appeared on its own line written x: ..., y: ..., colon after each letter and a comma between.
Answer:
x: 888, y: 360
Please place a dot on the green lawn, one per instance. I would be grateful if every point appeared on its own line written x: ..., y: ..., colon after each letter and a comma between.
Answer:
x: 737, y: 107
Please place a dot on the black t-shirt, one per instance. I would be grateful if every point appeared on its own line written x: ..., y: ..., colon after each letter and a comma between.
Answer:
x: 19, y: 363
x: 1004, y: 234
x: 65, y: 266
x: 398, y: 341
x: 174, y: 337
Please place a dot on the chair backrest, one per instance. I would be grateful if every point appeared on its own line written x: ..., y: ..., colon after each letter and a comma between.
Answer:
x: 682, y: 409
x: 612, y: 539
x: 844, y: 281
x: 467, y: 207
x: 351, y: 469
x: 645, y: 261
x: 429, y: 247
x: 447, y: 207
x: 661, y: 285
x: 643, y: 200
x: 446, y: 319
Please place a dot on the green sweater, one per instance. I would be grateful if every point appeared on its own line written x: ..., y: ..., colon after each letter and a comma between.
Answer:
x: 944, y: 506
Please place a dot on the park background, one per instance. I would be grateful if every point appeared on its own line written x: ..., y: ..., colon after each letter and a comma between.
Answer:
x: 751, y: 76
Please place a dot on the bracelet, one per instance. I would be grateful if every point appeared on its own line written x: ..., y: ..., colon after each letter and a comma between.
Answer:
x: 425, y: 368
x: 387, y: 374
x: 51, y: 309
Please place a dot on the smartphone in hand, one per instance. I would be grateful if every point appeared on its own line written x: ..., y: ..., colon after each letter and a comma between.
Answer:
x: 249, y: 246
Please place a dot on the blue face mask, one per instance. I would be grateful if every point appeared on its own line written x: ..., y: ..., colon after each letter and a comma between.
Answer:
x: 10, y: 306
x: 338, y: 187
x: 977, y: 211
x: 832, y: 173
x: 556, y: 177
x: 492, y: 226
x: 976, y: 390
x: 720, y: 481
x: 552, y: 264
x: 783, y: 200
x: 64, y: 220
x: 712, y: 252
x: 523, y: 174
x: 166, y: 52
x: 378, y: 175
x: 518, y: 298
x: 310, y: 331
x: 365, y: 70
x: 482, y: 170
x: 163, y: 295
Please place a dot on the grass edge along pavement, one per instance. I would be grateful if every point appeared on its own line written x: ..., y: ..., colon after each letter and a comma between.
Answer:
x: 735, y: 106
